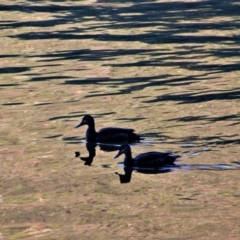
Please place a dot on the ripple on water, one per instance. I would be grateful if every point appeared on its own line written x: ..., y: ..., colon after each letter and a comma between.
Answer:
x: 185, y: 167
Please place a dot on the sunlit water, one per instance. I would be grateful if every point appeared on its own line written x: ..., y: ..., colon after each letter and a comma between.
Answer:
x: 168, y: 69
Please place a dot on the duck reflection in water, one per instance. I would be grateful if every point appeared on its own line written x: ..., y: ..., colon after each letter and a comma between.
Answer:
x: 148, y: 163
x: 127, y: 176
x: 91, y: 148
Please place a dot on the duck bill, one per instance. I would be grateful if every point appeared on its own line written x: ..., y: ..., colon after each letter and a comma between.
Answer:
x: 117, y: 155
x: 80, y: 124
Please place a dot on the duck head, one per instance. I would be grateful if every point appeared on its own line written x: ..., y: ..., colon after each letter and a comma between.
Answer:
x: 124, y: 149
x: 86, y: 120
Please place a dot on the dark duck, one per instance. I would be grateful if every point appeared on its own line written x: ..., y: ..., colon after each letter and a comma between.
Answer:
x: 148, y: 159
x: 109, y: 134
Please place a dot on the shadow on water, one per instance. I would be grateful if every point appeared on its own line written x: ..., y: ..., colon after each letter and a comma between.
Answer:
x: 11, y: 70
x: 79, y: 114
x: 13, y: 103
x: 9, y: 85
x: 207, y: 142
x: 168, y: 23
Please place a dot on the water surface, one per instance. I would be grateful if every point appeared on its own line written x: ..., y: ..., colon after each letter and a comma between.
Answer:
x: 169, y: 69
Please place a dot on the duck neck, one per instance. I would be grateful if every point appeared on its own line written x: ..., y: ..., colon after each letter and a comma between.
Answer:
x: 91, y: 132
x: 128, y: 160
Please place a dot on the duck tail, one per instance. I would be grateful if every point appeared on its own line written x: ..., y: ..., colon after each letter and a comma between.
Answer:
x: 133, y: 137
x: 175, y: 156
x: 139, y: 138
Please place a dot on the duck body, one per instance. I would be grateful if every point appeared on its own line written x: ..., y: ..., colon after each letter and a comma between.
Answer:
x: 117, y: 134
x: 146, y: 160
x: 109, y: 134
x: 150, y: 159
